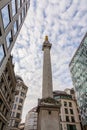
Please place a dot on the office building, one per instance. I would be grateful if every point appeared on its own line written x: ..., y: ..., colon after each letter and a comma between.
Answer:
x: 31, y: 120
x: 16, y: 114
x: 7, y: 93
x: 69, y: 114
x: 12, y: 16
x: 78, y: 69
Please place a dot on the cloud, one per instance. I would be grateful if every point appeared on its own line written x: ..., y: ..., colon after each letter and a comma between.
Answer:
x: 65, y: 23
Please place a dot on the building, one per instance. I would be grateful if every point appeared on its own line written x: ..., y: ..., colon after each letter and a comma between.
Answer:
x: 12, y: 16
x: 21, y: 90
x: 69, y: 114
x: 7, y: 93
x: 48, y: 108
x: 78, y: 69
x: 31, y: 120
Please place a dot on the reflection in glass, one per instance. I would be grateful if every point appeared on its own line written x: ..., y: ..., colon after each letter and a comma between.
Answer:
x: 1, y: 53
x: 13, y: 7
x: 20, y: 19
x: 9, y: 39
x: 5, y: 16
x: 19, y: 3
x: 15, y: 27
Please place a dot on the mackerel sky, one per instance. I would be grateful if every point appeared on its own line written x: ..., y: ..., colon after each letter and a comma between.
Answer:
x: 65, y: 23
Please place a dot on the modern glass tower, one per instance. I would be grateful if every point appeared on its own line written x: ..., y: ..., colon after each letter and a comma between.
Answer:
x: 78, y: 68
x: 12, y: 16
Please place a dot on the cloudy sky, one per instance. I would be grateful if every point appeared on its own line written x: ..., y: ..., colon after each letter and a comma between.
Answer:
x: 65, y: 23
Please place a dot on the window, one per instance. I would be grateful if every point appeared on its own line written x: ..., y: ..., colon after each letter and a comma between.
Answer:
x: 16, y: 99
x: 14, y: 106
x: 70, y: 104
x: 13, y: 7
x: 21, y: 100
x: 67, y: 118
x: 5, y: 16
x: 0, y: 32
x: 9, y: 39
x: 65, y: 103
x: 66, y: 111
x: 71, y: 127
x: 16, y: 124
x: 15, y: 27
x: 71, y: 111
x: 19, y: 3
x: 18, y: 115
x: 13, y: 114
x: 72, y: 119
x: 19, y: 107
x: 2, y: 54
x: 22, y: 94
x: 20, y: 19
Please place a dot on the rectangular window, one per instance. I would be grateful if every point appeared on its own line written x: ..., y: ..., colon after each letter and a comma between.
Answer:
x: 14, y: 106
x: 19, y: 107
x: 5, y: 16
x: 66, y: 111
x: 18, y: 115
x: 70, y: 104
x: 16, y: 99
x: 22, y: 94
x: 67, y: 118
x: 20, y: 19
x: 9, y: 39
x: 71, y: 127
x: 19, y: 3
x: 15, y: 27
x: 2, y: 54
x: 0, y: 32
x: 72, y: 119
x: 13, y: 7
x: 65, y: 103
x: 71, y: 111
x: 21, y: 100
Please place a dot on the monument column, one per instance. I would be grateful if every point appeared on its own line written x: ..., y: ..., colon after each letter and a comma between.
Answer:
x: 47, y: 88
x: 48, y: 108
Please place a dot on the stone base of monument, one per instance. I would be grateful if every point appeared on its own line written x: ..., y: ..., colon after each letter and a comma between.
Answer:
x: 48, y: 114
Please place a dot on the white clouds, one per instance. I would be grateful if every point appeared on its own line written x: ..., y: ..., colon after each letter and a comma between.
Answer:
x: 65, y: 22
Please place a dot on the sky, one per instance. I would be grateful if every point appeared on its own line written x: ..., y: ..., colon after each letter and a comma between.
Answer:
x: 65, y: 23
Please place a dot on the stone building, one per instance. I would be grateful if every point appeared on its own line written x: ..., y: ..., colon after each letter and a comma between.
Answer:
x: 78, y: 69
x: 69, y: 113
x: 31, y: 120
x: 16, y: 113
x: 12, y: 16
x: 7, y: 87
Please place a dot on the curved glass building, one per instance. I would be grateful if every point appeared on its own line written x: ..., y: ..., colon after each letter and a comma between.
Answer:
x: 78, y: 69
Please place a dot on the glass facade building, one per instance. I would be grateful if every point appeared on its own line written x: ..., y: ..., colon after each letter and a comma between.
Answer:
x: 78, y: 69
x: 12, y: 16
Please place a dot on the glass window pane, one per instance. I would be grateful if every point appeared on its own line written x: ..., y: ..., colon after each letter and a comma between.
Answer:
x: 9, y: 39
x: 19, y: 3
x: 5, y: 16
x: 15, y: 27
x: 20, y: 19
x: 13, y: 7
x: 1, y: 53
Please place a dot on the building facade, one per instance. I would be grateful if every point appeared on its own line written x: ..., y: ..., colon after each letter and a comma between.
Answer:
x: 31, y: 120
x: 16, y: 113
x: 78, y: 69
x: 69, y: 114
x: 12, y: 16
x: 7, y: 93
